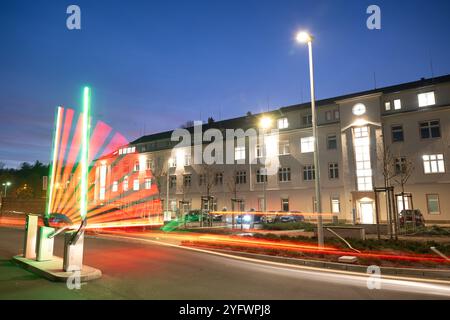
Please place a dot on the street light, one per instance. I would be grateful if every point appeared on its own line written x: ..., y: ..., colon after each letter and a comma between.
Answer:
x: 305, y: 37
x: 6, y: 185
x: 265, y: 124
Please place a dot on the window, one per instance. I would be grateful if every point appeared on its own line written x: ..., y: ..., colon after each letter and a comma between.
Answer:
x: 433, y: 204
x: 362, y: 158
x: 285, y: 205
x: 400, y: 165
x: 397, y: 104
x: 102, y: 182
x: 333, y: 171
x: 241, y: 177
x: 433, y: 163
x: 148, y: 183
x: 136, y: 166
x: 283, y: 123
x: 172, y: 181
x: 397, y: 133
x: 136, y: 185
x: 427, y: 99
x: 284, y: 148
x: 219, y: 178
x: 115, y: 186
x: 307, y: 145
x: 261, y: 175
x: 187, y: 160
x: 309, y: 174
x: 328, y: 115
x: 307, y: 120
x: 187, y: 178
x: 125, y: 184
x: 387, y: 106
x: 332, y: 142
x: 150, y: 164
x: 173, y: 162
x: 259, y: 151
x: 337, y: 115
x: 201, y: 179
x: 430, y: 129
x: 335, y: 204
x: 284, y: 174
x: 239, y: 153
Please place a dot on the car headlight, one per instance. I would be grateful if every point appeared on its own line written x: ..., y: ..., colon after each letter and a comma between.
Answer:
x: 247, y: 218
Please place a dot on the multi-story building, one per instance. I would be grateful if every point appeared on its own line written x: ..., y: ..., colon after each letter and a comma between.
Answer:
x: 397, y: 135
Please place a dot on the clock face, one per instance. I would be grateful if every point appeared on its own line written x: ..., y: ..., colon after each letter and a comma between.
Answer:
x: 359, y: 109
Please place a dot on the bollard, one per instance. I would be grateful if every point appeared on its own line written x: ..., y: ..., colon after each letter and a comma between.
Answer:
x: 45, y: 244
x: 73, y: 253
x: 31, y: 233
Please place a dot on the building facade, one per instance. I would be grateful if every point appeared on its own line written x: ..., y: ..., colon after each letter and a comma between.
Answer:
x: 394, y: 136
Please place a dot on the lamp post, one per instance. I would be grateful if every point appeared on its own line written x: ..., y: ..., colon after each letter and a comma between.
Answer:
x: 305, y: 37
x: 265, y: 124
x: 6, y: 185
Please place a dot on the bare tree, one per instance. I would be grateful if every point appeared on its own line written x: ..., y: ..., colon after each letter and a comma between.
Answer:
x: 207, y: 174
x: 233, y: 188
x: 404, y: 168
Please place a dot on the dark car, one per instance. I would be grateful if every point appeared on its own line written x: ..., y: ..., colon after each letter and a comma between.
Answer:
x: 412, y: 217
x: 292, y: 218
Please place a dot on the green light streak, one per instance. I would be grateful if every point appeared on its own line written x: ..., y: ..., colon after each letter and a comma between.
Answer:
x: 85, y: 152
x: 54, y: 159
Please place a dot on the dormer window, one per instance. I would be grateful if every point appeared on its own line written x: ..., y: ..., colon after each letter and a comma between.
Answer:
x: 427, y: 99
x: 283, y: 123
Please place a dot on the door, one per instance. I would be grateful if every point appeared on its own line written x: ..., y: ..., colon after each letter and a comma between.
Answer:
x: 367, y: 213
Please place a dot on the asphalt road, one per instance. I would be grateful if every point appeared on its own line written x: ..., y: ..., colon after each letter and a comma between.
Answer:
x: 151, y: 271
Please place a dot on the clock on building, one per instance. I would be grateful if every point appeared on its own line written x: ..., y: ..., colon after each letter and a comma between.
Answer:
x: 359, y: 109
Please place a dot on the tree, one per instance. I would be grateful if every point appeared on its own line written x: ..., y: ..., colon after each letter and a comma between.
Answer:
x: 207, y: 174
x: 233, y: 188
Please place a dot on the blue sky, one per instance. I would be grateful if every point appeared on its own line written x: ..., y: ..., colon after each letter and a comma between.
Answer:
x: 158, y: 64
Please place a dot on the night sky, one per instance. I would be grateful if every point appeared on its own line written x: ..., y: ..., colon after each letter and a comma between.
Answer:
x: 153, y: 65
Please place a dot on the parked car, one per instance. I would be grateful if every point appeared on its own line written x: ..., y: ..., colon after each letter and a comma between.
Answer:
x: 194, y: 216
x: 410, y: 217
x: 292, y: 217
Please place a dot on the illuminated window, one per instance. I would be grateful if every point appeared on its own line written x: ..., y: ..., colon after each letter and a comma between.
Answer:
x: 120, y: 151
x: 187, y: 160
x: 239, y: 153
x: 136, y: 166
x: 136, y: 185
x: 125, y: 184
x: 362, y: 157
x: 430, y: 129
x: 427, y: 99
x: 284, y: 174
x: 333, y: 171
x: 284, y: 148
x: 309, y: 173
x: 241, y: 177
x: 335, y: 204
x: 433, y: 163
x: 387, y: 106
x: 115, y: 186
x: 397, y: 104
x: 150, y: 164
x: 433, y: 204
x: 261, y: 175
x: 307, y: 145
x: 337, y: 115
x: 148, y: 184
x: 283, y: 123
x: 173, y: 162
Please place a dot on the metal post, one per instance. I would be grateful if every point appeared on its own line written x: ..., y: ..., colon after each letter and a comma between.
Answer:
x: 167, y: 194
x: 316, y: 149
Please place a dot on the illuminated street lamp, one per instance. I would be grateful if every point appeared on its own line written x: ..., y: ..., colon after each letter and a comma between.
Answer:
x: 305, y: 37
x: 265, y: 124
x: 6, y: 185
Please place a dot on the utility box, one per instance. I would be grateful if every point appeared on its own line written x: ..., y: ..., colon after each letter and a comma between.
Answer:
x: 73, y: 253
x: 31, y: 233
x: 45, y: 245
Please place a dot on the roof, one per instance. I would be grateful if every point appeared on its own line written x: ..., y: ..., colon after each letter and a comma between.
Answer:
x: 251, y: 120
